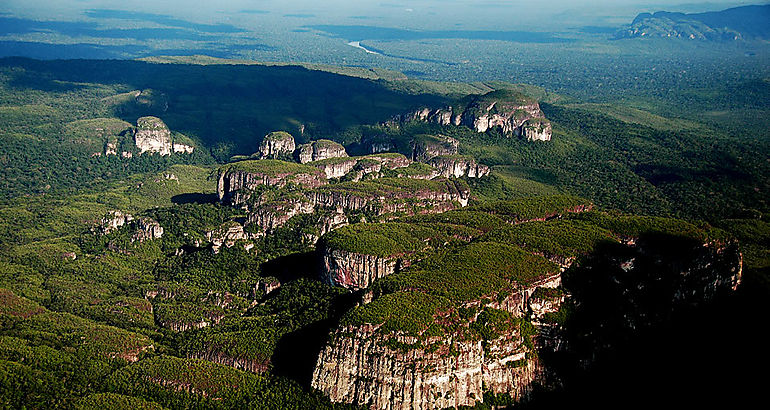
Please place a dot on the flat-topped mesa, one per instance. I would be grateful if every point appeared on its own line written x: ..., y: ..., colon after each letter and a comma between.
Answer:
x: 425, y: 147
x: 277, y: 145
x: 365, y: 165
x: 439, y: 344
x: 465, y: 322
x: 457, y: 166
x: 320, y: 149
x: 237, y: 180
x: 152, y: 135
x: 507, y: 111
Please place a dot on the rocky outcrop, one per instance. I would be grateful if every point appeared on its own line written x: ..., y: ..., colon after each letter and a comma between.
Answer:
x: 277, y: 144
x: 425, y: 147
x: 457, y: 166
x: 319, y: 150
x: 240, y: 363
x: 536, y: 129
x: 272, y: 215
x: 147, y: 229
x: 227, y: 235
x: 367, y: 165
x: 153, y: 136
x: 237, y: 180
x: 506, y: 111
x: 355, y: 271
x: 366, y: 364
x: 113, y: 221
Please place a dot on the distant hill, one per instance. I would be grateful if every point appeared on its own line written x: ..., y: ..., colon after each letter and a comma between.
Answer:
x: 739, y: 23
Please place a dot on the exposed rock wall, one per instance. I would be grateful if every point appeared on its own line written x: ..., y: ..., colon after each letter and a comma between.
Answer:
x: 319, y: 150
x: 454, y: 166
x: 360, y: 364
x: 503, y: 110
x: 152, y: 135
x: 232, y: 181
x: 353, y: 270
x: 277, y: 144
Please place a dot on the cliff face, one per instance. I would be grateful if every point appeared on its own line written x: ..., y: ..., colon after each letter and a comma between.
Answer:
x: 152, y: 135
x: 319, y: 150
x: 233, y: 181
x: 503, y: 110
x: 355, y: 271
x: 453, y: 166
x: 277, y: 144
x: 426, y: 147
x: 367, y: 364
x: 363, y: 365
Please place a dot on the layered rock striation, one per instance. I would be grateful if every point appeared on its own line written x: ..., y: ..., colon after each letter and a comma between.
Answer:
x: 277, y: 144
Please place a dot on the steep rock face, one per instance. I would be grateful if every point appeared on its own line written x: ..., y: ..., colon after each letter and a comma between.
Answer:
x: 274, y: 214
x: 355, y: 271
x: 147, y: 229
x: 336, y: 169
x: 536, y: 129
x: 436, y: 201
x: 425, y: 147
x: 366, y: 165
x: 455, y: 166
x: 320, y: 149
x: 504, y: 110
x: 226, y: 235
x: 245, y: 176
x: 113, y: 221
x: 240, y: 363
x: 152, y: 135
x: 384, y: 370
x: 276, y: 144
x: 363, y: 366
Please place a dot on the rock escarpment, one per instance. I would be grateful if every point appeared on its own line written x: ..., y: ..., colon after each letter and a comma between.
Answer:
x: 457, y: 166
x: 152, y: 135
x: 488, y: 318
x: 238, y: 179
x: 426, y: 147
x: 319, y: 150
x: 277, y: 144
x: 505, y: 111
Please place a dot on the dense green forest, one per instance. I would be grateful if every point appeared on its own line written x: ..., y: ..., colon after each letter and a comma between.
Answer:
x: 91, y: 317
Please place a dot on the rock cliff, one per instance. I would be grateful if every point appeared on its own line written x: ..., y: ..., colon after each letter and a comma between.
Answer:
x: 506, y: 111
x: 457, y: 166
x: 425, y: 147
x: 237, y: 180
x: 452, y: 328
x: 152, y: 135
x: 320, y: 149
x: 277, y: 144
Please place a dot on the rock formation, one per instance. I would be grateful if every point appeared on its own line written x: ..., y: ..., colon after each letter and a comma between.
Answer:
x: 506, y: 111
x: 245, y: 176
x: 320, y: 149
x: 456, y: 166
x: 425, y: 147
x: 152, y: 135
x: 277, y: 144
x: 147, y: 229
x: 420, y: 347
x: 113, y: 221
x: 227, y: 235
x: 354, y: 270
